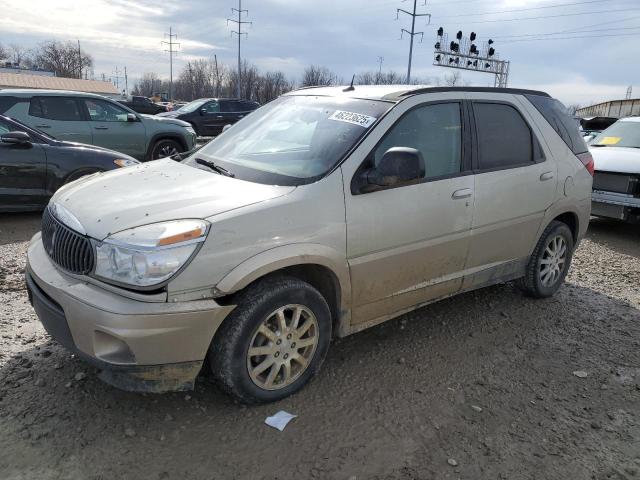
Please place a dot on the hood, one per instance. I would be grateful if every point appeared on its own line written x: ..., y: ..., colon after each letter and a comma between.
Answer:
x: 164, y: 119
x: 92, y: 148
x: 157, y: 191
x: 616, y: 159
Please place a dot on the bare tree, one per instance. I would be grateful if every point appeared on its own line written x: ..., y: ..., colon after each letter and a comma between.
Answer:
x: 18, y: 55
x: 149, y: 85
x: 317, y: 75
x: 62, y: 58
x: 573, y: 108
x: 452, y: 79
x: 379, y: 78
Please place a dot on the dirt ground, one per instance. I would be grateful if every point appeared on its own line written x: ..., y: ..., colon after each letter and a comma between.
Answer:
x: 478, y: 386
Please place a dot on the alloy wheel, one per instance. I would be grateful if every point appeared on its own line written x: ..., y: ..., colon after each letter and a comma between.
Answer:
x: 553, y: 261
x: 282, y: 347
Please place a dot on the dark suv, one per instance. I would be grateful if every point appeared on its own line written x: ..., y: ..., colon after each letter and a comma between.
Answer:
x: 208, y: 116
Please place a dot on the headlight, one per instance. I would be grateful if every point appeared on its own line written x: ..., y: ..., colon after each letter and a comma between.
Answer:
x: 125, y: 162
x: 149, y: 255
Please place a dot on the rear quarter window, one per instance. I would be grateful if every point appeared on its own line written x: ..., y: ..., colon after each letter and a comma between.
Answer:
x: 6, y: 103
x: 556, y: 114
x: 55, y: 108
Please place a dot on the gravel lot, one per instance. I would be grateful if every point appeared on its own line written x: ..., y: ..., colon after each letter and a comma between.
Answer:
x: 477, y: 386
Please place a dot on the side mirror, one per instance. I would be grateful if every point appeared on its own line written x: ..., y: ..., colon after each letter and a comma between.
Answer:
x: 132, y: 117
x: 16, y: 138
x: 226, y: 127
x: 398, y: 165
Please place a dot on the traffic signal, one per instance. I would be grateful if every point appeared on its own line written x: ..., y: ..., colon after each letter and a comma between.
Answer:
x: 454, y: 47
x: 472, y: 37
x: 440, y: 31
x: 459, y: 35
x: 437, y: 45
x: 438, y: 58
x: 487, y: 65
x: 473, y: 49
x: 490, y: 42
x: 492, y: 51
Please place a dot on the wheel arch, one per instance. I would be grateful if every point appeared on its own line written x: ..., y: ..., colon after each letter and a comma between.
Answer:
x: 165, y: 136
x: 317, y: 265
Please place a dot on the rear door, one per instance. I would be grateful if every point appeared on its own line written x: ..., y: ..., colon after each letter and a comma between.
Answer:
x: 515, y: 182
x: 112, y: 129
x: 60, y: 117
x: 23, y: 171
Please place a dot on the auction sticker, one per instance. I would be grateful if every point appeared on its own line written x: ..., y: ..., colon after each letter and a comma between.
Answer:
x: 610, y: 140
x: 351, y: 117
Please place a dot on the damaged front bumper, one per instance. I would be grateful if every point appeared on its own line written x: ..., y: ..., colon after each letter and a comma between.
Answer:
x: 138, y: 346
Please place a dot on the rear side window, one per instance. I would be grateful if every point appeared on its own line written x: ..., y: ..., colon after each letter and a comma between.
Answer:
x: 504, y: 138
x: 556, y: 114
x: 7, y: 102
x: 55, y: 108
x: 229, y: 106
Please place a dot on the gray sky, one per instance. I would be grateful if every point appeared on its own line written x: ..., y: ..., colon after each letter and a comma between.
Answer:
x: 349, y: 36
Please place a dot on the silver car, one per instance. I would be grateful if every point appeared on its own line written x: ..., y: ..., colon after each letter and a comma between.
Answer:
x: 323, y: 213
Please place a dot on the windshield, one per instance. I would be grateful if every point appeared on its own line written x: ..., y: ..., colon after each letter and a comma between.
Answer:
x: 620, y: 134
x: 192, y: 106
x: 293, y: 140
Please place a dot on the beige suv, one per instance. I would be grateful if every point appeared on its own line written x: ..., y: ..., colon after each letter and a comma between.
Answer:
x: 323, y: 213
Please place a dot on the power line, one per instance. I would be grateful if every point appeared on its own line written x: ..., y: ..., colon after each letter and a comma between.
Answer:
x: 524, y: 9
x: 568, y: 38
x: 548, y: 16
x: 171, y: 52
x: 562, y: 32
x: 239, y: 22
x: 412, y: 33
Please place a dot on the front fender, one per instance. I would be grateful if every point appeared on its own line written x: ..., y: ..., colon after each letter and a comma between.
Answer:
x: 284, y: 256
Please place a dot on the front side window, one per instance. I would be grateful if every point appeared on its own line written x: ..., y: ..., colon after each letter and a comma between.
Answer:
x: 212, y: 107
x: 435, y: 131
x: 55, y: 108
x: 6, y: 127
x: 102, y: 111
x: 504, y: 138
x: 293, y: 140
x: 191, y: 106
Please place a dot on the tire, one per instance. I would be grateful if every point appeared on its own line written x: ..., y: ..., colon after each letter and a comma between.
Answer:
x: 165, y: 148
x: 536, y: 283
x: 229, y: 354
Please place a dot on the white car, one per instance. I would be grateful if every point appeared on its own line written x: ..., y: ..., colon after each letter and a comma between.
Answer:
x: 616, y: 183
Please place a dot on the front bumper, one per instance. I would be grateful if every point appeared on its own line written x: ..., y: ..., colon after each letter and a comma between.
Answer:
x: 139, y: 345
x: 614, y: 205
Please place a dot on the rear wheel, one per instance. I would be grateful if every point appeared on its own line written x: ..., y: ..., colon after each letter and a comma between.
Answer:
x: 549, y: 263
x: 274, y: 342
x: 165, y: 148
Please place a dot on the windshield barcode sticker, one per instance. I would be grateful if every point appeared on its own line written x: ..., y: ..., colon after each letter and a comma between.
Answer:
x: 350, y: 117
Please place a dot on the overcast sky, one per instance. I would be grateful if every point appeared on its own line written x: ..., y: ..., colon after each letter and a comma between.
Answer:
x: 348, y: 36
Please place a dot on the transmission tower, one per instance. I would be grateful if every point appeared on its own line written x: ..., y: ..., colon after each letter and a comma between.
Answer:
x: 239, y: 22
x: 171, y: 52
x: 412, y: 33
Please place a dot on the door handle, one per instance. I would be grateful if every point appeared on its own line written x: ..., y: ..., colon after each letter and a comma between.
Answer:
x: 462, y: 193
x: 219, y: 116
x: 43, y: 126
x: 546, y: 176
x: 101, y: 128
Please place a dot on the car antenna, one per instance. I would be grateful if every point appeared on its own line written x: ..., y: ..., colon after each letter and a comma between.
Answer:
x: 350, y: 87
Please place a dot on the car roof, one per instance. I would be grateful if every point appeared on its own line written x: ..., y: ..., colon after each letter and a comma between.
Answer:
x: 630, y: 119
x: 33, y: 92
x: 395, y: 93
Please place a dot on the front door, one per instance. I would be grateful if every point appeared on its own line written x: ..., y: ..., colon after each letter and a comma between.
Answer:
x: 516, y: 182
x: 112, y: 129
x: 211, y: 119
x: 23, y: 170
x: 408, y: 245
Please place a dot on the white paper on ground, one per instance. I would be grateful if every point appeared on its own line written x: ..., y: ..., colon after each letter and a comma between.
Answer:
x: 280, y: 420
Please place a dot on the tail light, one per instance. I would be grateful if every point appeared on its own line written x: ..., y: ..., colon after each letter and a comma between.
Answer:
x: 587, y: 161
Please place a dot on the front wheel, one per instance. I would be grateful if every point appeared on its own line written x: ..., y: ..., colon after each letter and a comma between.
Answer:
x: 165, y: 148
x: 274, y: 342
x: 549, y: 263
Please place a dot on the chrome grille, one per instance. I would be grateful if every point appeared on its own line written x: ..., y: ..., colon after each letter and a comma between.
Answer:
x: 67, y: 248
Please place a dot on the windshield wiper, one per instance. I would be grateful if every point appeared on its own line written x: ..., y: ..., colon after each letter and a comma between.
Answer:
x: 214, y: 167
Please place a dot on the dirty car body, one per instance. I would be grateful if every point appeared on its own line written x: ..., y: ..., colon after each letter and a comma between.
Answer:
x: 323, y: 213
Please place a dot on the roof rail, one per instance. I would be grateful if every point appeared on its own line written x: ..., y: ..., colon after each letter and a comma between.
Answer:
x: 517, y: 91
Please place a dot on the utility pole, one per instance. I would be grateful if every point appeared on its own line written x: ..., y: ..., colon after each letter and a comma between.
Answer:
x: 239, y: 22
x: 215, y: 59
x: 117, y: 77
x: 126, y: 81
x: 171, y: 52
x: 380, y: 60
x: 412, y: 33
x: 79, y: 62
